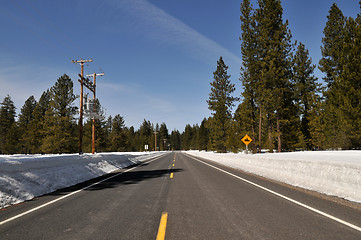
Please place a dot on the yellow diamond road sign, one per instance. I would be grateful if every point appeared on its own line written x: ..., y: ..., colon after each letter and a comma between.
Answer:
x: 246, y: 140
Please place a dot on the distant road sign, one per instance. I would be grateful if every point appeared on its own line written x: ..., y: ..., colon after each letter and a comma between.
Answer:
x: 246, y: 140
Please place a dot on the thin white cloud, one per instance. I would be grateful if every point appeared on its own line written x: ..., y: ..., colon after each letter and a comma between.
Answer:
x: 25, y: 80
x: 159, y: 26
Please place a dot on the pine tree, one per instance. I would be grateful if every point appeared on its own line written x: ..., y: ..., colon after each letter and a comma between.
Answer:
x: 12, y: 143
x: 306, y: 91
x: 107, y: 131
x: 145, y: 135
x: 233, y: 138
x: 163, y: 136
x: 332, y: 45
x: 243, y: 125
x: 101, y: 140
x: 203, y: 135
x: 87, y: 136
x: 274, y: 54
x: 25, y: 118
x: 195, y: 137
x: 221, y: 102
x: 175, y: 140
x: 265, y: 74
x: 7, y: 120
x: 351, y: 77
x: 118, y: 136
x: 341, y: 62
x: 330, y: 64
x: 251, y: 104
x: 186, y: 137
x: 317, y: 125
x: 59, y: 123
x: 346, y: 88
x: 35, y: 129
x: 132, y: 140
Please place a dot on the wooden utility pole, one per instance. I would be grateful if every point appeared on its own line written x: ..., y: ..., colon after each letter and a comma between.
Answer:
x: 94, y: 75
x: 81, y: 62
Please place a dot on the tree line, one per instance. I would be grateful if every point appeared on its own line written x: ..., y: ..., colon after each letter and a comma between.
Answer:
x: 283, y: 107
x: 49, y: 125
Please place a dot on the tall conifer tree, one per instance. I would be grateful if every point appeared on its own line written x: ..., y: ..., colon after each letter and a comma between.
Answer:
x: 341, y: 62
x: 221, y: 102
x: 203, y: 135
x: 59, y: 123
x: 330, y: 64
x: 275, y: 72
x: 118, y: 135
x: 332, y: 45
x: 266, y: 72
x: 306, y: 91
x: 8, y: 132
x: 25, y: 118
x: 175, y: 140
x: 163, y: 136
x: 251, y: 103
x: 35, y: 129
x: 186, y: 137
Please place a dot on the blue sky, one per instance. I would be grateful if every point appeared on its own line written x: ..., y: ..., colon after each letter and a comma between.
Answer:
x: 158, y: 56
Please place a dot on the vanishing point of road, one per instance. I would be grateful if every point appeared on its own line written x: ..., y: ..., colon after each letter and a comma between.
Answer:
x: 176, y: 196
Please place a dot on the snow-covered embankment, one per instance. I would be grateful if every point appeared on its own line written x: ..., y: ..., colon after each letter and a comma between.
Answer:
x: 336, y: 173
x: 23, y: 177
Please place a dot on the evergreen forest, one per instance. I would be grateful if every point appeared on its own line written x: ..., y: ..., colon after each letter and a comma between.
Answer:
x: 283, y: 106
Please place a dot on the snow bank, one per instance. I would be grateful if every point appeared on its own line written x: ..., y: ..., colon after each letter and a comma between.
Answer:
x: 336, y: 173
x: 23, y: 177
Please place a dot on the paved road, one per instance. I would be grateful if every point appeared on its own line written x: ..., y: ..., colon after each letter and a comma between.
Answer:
x: 202, y: 202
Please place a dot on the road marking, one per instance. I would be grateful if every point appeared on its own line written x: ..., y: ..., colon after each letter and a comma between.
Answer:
x: 171, y: 175
x: 286, y: 198
x: 162, y: 226
x: 70, y: 194
x: 173, y: 164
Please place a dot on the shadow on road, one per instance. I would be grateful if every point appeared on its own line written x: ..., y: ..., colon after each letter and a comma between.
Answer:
x: 132, y: 178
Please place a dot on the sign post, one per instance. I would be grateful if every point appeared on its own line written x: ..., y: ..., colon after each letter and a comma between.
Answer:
x: 246, y: 140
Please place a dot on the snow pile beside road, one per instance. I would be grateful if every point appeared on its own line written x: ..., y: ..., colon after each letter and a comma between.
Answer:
x: 23, y: 177
x: 336, y: 173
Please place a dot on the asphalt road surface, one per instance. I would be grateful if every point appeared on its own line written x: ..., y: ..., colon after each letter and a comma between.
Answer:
x: 196, y: 200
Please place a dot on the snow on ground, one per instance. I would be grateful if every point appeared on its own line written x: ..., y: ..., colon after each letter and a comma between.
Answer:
x: 336, y: 173
x: 23, y: 177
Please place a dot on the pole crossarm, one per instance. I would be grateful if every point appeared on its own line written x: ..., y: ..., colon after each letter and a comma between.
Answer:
x: 96, y: 74
x: 81, y: 61
x: 87, y: 83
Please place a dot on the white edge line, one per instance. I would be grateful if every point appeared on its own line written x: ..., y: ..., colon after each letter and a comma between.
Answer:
x: 286, y: 198
x: 70, y: 194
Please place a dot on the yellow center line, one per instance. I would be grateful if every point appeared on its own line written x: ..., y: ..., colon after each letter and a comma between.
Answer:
x: 171, y: 175
x: 162, y: 226
x: 173, y: 164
